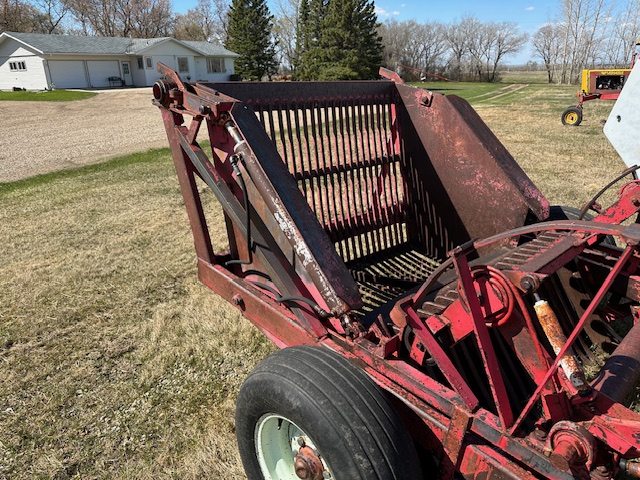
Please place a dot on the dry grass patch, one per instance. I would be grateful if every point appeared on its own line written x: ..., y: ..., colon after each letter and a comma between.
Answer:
x: 568, y: 164
x: 116, y: 362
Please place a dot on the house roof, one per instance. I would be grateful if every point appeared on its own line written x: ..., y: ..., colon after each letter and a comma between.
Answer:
x: 72, y: 44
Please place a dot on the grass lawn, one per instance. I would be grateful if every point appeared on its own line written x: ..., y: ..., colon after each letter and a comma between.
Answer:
x: 465, y: 90
x: 513, y: 88
x: 115, y: 361
x: 46, y: 96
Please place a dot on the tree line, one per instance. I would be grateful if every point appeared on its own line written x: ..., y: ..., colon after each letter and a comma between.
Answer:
x: 587, y: 34
x: 464, y: 50
x: 582, y: 34
x: 343, y: 39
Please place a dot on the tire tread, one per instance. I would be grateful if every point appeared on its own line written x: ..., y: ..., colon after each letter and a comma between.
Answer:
x: 351, y: 403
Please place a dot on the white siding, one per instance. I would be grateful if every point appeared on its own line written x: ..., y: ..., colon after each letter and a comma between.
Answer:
x: 168, y: 53
x: 78, y: 71
x: 139, y: 78
x: 202, y: 74
x: 101, y: 70
x: 68, y: 73
x: 33, y: 78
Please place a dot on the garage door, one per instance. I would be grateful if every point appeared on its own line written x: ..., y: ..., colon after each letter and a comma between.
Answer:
x: 101, y: 70
x: 67, y: 73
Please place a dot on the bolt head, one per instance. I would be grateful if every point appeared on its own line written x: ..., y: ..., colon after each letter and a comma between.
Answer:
x: 302, y: 469
x: 237, y: 300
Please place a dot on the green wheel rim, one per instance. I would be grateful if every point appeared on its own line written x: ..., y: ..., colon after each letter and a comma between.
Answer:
x: 277, y: 440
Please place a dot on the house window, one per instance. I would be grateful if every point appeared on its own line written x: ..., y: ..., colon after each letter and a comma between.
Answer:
x: 215, y: 65
x: 183, y: 64
x: 148, y: 62
x: 140, y: 63
x: 18, y: 66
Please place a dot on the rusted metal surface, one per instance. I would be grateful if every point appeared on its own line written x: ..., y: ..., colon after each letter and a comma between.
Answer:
x: 454, y: 438
x: 479, y: 460
x: 631, y: 469
x: 570, y: 445
x: 453, y: 153
x: 488, y: 353
x: 621, y: 371
x: 291, y: 222
x: 351, y: 212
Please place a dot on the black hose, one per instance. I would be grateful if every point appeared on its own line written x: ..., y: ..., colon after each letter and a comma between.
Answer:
x: 322, y: 313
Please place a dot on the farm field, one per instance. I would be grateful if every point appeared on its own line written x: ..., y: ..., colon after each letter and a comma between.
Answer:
x: 116, y: 363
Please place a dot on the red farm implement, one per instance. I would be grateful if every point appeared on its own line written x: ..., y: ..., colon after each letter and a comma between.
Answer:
x: 432, y: 323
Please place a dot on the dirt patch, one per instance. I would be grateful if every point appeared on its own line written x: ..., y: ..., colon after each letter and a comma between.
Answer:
x: 41, y: 137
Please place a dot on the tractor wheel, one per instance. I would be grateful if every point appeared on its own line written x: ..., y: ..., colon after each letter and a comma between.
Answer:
x: 572, y: 116
x: 563, y: 212
x: 306, y: 412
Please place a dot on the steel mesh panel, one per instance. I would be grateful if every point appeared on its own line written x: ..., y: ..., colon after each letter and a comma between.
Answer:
x: 342, y: 154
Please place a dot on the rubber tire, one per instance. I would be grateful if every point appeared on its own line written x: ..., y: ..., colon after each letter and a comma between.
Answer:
x: 353, y: 425
x: 563, y: 212
x: 577, y: 111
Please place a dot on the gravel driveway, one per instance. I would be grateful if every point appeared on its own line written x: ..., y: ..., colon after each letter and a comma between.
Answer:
x: 40, y: 137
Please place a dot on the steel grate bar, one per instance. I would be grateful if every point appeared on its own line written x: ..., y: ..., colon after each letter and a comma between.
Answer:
x: 341, y: 152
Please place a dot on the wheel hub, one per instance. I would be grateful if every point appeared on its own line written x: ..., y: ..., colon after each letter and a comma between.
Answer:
x: 308, y: 465
x: 286, y: 452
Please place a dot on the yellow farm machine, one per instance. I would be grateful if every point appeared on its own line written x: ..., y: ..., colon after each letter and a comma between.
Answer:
x: 600, y: 84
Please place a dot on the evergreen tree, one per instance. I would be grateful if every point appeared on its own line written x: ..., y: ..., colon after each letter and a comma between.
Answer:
x: 338, y: 40
x: 249, y: 35
x: 310, y: 26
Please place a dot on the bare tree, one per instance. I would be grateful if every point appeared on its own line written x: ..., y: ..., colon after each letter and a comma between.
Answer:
x: 585, y: 22
x: 123, y: 18
x: 395, y: 37
x: 628, y: 29
x: 458, y: 35
x: 412, y: 44
x: 96, y: 17
x: 624, y: 31
x: 508, y: 41
x: 53, y: 12
x: 434, y: 45
x: 19, y: 16
x: 188, y: 27
x: 479, y: 45
x: 547, y: 42
x: 412, y: 50
x: 285, y: 26
x: 149, y: 18
x: 490, y: 43
x: 206, y: 21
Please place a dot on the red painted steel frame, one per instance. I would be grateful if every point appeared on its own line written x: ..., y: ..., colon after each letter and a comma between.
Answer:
x: 447, y: 420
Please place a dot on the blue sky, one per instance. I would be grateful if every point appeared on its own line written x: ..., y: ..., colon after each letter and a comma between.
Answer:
x: 529, y: 15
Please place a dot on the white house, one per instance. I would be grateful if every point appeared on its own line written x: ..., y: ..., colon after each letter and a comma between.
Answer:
x: 37, y: 61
